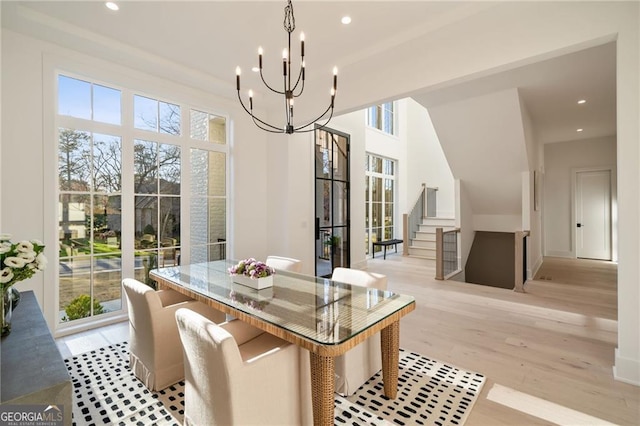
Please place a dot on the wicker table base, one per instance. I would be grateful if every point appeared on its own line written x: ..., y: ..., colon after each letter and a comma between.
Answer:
x: 390, y: 346
x: 323, y: 375
x: 322, y: 388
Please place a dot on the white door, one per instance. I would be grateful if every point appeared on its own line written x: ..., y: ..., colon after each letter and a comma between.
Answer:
x: 593, y: 214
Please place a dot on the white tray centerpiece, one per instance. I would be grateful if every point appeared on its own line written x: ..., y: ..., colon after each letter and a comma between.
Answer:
x: 252, y: 273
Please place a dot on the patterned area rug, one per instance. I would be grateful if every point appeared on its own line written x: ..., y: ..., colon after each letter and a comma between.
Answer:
x: 429, y: 393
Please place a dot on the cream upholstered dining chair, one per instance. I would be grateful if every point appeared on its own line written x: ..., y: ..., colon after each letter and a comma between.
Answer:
x: 358, y: 364
x: 155, y: 352
x: 284, y: 263
x: 235, y: 374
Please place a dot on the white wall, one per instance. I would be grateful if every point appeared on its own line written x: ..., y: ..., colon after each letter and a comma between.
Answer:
x: 426, y: 161
x: 627, y: 363
x: 22, y: 145
x: 560, y: 159
x: 483, y: 140
x: 531, y: 218
x: 290, y: 180
x: 464, y: 221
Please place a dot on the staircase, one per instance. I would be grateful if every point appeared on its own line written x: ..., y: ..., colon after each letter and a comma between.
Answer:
x: 423, y: 243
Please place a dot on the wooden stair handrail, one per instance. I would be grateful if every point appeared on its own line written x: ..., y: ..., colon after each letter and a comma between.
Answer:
x: 405, y: 219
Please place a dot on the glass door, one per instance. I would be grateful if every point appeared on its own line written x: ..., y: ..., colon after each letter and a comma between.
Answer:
x: 332, y: 201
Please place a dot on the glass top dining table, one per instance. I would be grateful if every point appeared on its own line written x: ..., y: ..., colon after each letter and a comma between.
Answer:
x: 323, y: 316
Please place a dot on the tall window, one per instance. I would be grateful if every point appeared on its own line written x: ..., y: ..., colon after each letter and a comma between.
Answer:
x: 90, y: 195
x: 382, y: 117
x: 156, y: 185
x: 380, y: 200
x: 122, y: 217
x: 208, y: 189
x: 157, y: 205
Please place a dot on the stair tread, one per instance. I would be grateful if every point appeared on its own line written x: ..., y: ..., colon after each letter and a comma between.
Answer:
x: 422, y: 257
x: 446, y: 228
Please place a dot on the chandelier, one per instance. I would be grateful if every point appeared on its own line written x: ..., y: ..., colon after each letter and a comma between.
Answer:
x: 290, y: 90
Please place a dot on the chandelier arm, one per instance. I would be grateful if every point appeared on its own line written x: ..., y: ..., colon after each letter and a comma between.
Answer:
x: 287, y: 84
x: 330, y: 108
x: 276, y: 129
x: 269, y: 87
x: 256, y: 122
x: 296, y: 86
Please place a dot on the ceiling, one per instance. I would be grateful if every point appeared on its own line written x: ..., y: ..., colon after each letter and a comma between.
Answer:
x: 551, y: 89
x: 211, y: 38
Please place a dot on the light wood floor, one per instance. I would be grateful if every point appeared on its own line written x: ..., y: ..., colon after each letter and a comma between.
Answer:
x: 547, y: 354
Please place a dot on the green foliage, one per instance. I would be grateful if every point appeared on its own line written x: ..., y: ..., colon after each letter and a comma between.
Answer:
x: 333, y: 241
x: 148, y: 229
x: 151, y: 262
x: 80, y: 307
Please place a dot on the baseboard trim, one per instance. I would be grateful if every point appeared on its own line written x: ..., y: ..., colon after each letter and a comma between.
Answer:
x: 558, y: 253
x: 89, y: 325
x: 536, y: 268
x: 453, y: 274
x: 626, y: 370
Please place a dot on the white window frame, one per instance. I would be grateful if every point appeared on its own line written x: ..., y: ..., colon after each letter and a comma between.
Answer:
x: 382, y: 124
x: 116, y: 77
x: 371, y: 174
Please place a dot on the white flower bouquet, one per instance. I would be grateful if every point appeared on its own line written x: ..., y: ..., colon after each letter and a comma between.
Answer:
x: 19, y: 261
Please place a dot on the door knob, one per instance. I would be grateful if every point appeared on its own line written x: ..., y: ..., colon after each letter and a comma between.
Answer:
x: 579, y: 225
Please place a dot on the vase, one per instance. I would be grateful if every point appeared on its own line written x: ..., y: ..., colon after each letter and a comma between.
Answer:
x: 10, y: 299
x: 14, y: 296
x: 257, y: 283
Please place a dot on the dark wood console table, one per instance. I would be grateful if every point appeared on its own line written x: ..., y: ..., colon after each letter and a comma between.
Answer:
x: 32, y: 369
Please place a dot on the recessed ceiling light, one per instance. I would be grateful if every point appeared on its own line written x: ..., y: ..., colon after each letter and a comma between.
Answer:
x: 111, y: 5
x: 346, y: 20
x: 582, y: 101
x: 579, y: 130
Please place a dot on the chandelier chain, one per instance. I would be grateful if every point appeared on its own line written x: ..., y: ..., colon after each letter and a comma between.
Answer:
x: 289, y: 19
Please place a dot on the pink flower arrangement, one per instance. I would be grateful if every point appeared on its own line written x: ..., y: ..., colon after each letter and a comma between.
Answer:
x: 252, y: 268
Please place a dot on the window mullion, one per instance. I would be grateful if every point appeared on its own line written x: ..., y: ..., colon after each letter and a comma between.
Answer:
x: 128, y: 197
x: 185, y: 203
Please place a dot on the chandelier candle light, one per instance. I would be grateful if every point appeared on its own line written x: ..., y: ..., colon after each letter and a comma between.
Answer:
x: 288, y: 90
